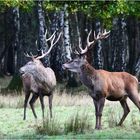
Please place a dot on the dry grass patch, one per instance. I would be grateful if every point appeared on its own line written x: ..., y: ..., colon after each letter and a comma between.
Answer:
x: 65, y: 99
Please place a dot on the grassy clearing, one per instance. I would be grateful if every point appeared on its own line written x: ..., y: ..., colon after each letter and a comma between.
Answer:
x: 73, y: 118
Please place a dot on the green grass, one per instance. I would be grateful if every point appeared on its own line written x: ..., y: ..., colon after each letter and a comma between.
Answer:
x: 73, y: 118
x: 12, y: 125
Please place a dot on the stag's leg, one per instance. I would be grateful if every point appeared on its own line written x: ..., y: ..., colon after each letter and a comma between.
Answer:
x: 135, y: 98
x: 32, y: 101
x: 99, y: 104
x: 50, y: 104
x: 96, y: 110
x: 42, y: 104
x: 27, y: 95
x: 126, y: 110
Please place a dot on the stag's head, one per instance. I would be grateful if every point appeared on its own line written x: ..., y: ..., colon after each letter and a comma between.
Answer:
x: 35, y: 62
x: 75, y: 64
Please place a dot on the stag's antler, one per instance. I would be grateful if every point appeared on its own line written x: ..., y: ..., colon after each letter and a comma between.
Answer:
x: 30, y: 55
x: 52, y: 38
x: 96, y: 38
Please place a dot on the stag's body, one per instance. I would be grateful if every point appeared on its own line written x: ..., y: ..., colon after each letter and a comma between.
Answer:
x: 39, y: 81
x: 114, y: 86
x: 111, y: 85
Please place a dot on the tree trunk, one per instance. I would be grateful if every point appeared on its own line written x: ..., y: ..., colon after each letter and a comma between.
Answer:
x: 67, y: 44
x: 71, y: 81
x: 56, y: 53
x: 12, y: 51
x: 42, y: 45
x: 137, y: 69
x: 98, y: 47
x: 14, y: 57
x: 119, y: 45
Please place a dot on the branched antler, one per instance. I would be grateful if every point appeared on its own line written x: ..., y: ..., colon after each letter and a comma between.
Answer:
x: 51, y: 38
x: 99, y: 36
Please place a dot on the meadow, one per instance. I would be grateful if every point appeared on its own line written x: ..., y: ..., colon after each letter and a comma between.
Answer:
x: 73, y: 118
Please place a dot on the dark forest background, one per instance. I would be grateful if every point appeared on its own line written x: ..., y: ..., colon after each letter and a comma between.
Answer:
x: 22, y: 23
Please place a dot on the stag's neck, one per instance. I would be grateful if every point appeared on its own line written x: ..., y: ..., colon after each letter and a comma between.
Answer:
x: 88, y: 75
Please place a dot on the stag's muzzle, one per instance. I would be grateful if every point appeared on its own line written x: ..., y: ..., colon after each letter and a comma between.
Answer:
x: 21, y: 71
x: 64, y: 66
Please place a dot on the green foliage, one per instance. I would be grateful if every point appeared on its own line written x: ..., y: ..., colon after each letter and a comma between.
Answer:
x: 25, y: 5
x: 104, y: 10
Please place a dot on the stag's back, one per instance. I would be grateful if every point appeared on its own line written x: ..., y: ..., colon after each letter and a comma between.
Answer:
x: 50, y: 77
x: 37, y: 78
x: 45, y: 78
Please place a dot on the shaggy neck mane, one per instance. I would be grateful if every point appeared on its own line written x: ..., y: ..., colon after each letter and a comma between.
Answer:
x: 88, y: 69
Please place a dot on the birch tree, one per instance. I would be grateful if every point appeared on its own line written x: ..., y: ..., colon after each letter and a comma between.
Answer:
x: 42, y: 45
x: 71, y: 81
x: 98, y: 50
x: 119, y: 45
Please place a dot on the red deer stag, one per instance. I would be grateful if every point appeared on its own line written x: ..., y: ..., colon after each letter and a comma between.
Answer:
x: 114, y: 86
x: 39, y: 80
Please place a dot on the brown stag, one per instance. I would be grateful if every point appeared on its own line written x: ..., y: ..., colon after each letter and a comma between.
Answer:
x: 38, y: 80
x: 114, y: 86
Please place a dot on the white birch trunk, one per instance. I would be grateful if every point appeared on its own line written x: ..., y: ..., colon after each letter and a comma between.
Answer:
x: 99, y: 57
x: 67, y: 44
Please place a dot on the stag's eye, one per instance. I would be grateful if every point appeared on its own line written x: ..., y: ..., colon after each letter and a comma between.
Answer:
x: 29, y: 63
x: 76, y: 61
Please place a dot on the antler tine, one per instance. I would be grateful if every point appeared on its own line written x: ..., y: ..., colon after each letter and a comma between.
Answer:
x: 46, y: 32
x: 76, y: 52
x: 36, y: 42
x: 88, y: 42
x: 50, y: 37
x: 30, y: 55
x: 33, y: 56
x: 42, y: 51
x: 27, y: 55
x: 106, y: 34
x: 52, y: 44
x: 102, y: 35
x: 99, y: 36
x: 83, y: 51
